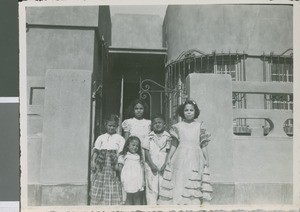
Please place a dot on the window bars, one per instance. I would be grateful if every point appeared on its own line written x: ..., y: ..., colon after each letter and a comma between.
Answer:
x: 277, y: 68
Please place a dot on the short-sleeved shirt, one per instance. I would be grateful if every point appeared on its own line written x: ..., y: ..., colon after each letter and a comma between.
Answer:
x: 137, y: 127
x: 110, y: 142
x: 158, y: 146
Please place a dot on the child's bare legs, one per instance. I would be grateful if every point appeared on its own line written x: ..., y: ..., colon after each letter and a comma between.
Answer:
x: 205, y: 202
x: 134, y: 198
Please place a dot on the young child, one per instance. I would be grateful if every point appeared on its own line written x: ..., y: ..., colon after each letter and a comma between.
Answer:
x: 106, y: 185
x: 157, y: 145
x: 183, y: 181
x: 132, y: 172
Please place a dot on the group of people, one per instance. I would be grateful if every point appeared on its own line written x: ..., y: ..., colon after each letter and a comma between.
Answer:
x: 150, y: 165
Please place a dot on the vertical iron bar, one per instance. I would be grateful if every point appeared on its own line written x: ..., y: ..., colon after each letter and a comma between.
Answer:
x: 241, y: 58
x: 284, y: 70
x: 207, y: 62
x: 237, y: 68
x: 229, y: 69
x: 244, y: 69
x: 271, y: 68
x: 195, y: 65
x: 264, y: 68
x: 215, y: 63
x: 201, y: 64
x: 277, y: 70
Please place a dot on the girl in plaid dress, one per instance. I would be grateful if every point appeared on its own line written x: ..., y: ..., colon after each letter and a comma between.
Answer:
x: 106, y: 185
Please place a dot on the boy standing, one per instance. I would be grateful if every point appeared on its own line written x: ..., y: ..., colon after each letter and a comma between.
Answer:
x: 157, y: 145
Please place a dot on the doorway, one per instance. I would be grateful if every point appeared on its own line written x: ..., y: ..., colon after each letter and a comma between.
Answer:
x: 126, y: 71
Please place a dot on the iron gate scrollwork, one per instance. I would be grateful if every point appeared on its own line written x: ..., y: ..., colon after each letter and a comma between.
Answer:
x: 162, y: 99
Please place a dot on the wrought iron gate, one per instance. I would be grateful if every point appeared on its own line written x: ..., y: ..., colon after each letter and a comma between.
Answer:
x: 162, y: 99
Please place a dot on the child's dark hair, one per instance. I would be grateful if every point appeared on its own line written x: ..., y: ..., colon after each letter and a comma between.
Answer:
x: 130, y: 111
x: 126, y: 146
x: 113, y: 118
x: 155, y: 116
x: 188, y: 102
x: 158, y: 115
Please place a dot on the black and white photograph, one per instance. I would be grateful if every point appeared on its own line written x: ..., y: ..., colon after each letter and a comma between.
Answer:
x: 9, y: 107
x: 158, y: 106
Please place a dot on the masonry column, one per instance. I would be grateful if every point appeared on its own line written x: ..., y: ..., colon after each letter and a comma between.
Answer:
x: 65, y: 141
x: 254, y: 73
x: 213, y: 94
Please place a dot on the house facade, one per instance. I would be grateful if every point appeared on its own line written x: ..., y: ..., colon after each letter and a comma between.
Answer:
x: 235, y: 61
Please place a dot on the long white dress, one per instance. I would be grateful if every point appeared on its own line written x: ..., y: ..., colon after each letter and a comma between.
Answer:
x: 183, y: 178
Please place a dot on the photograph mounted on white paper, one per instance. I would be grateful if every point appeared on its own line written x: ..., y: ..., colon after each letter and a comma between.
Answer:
x: 90, y: 69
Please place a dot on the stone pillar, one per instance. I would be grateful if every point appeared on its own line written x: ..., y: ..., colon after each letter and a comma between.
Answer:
x: 213, y: 94
x: 66, y: 137
x: 254, y: 73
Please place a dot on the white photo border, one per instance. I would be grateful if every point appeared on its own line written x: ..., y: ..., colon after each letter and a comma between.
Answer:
x: 23, y: 106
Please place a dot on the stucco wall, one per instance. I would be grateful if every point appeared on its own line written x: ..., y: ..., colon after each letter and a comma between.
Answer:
x: 244, y: 169
x: 263, y: 160
x: 64, y: 37
x: 251, y: 28
x: 212, y: 93
x: 59, y: 49
x: 137, y: 31
x: 51, y: 48
x: 65, y: 41
x: 66, y: 16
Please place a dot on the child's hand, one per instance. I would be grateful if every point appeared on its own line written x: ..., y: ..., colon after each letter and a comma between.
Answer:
x: 168, y: 162
x: 116, y: 167
x: 93, y: 166
x: 162, y: 169
x: 154, y: 169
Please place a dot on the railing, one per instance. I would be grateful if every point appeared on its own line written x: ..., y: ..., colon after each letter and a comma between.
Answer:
x: 195, y: 61
x: 276, y: 68
x: 159, y: 95
x: 276, y: 119
x: 279, y: 68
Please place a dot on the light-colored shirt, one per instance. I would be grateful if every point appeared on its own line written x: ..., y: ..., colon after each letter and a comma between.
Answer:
x: 158, y: 146
x: 110, y: 142
x: 137, y: 127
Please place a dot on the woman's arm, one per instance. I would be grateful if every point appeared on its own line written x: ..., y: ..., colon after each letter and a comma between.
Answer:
x: 126, y: 135
x: 119, y: 167
x: 174, y: 145
x: 205, y: 154
x: 120, y: 163
x: 93, y: 164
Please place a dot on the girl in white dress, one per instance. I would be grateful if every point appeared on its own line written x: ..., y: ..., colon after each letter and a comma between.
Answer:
x: 132, y: 173
x: 185, y: 178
